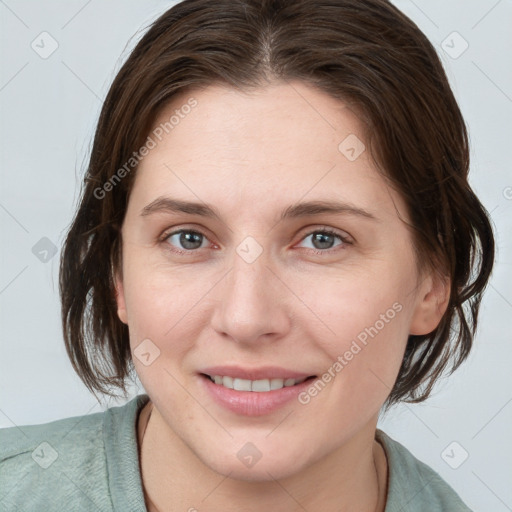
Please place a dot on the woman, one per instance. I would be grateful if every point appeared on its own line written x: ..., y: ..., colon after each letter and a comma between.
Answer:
x: 276, y: 233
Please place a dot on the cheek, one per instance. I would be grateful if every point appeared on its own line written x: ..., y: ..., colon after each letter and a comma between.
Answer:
x: 364, y: 331
x: 360, y: 308
x: 163, y: 302
x: 366, y: 356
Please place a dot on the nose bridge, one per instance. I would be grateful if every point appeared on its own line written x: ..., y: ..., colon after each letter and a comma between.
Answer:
x: 250, y: 305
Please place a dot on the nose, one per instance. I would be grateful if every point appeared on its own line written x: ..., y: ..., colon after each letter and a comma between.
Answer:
x: 252, y: 303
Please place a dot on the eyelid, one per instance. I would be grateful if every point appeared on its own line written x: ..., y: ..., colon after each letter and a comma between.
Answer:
x: 180, y: 228
x: 328, y: 229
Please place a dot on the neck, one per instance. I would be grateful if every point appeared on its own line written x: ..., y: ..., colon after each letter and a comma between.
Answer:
x: 352, y: 478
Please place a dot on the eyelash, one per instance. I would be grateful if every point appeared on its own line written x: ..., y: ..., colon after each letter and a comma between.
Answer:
x: 325, y: 231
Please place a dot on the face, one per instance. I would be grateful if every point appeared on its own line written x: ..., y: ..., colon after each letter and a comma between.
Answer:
x: 268, y: 320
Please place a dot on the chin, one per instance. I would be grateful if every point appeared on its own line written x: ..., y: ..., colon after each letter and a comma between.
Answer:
x: 251, y: 464
x: 260, y: 472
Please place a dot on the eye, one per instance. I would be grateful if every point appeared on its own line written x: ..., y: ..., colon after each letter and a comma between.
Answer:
x: 323, y: 240
x: 184, y: 240
x: 188, y: 241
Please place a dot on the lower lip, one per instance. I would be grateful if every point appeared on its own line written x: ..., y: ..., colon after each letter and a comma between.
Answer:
x: 253, y: 403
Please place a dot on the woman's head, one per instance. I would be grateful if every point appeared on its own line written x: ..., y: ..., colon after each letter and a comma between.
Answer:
x: 253, y: 107
x: 225, y: 272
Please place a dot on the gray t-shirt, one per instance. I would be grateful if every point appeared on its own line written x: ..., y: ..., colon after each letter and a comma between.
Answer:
x: 91, y: 463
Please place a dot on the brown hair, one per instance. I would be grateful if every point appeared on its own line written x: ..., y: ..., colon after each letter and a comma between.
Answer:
x: 367, y: 54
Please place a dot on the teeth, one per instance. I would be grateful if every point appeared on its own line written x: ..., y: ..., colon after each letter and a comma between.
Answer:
x: 276, y: 383
x: 258, y: 386
x: 241, y: 385
x: 227, y: 382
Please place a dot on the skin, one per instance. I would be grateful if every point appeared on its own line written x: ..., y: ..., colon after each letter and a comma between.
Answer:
x: 251, y: 156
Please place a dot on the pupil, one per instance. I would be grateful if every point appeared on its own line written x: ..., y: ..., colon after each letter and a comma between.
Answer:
x: 188, y: 238
x: 321, y: 237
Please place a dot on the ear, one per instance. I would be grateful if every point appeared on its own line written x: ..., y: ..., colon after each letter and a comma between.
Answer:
x: 120, y: 298
x: 432, y: 302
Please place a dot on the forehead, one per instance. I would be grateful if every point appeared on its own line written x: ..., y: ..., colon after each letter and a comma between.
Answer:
x: 291, y: 120
x: 286, y: 140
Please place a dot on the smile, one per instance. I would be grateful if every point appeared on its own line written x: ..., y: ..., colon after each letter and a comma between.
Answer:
x: 258, y: 386
x: 253, y: 392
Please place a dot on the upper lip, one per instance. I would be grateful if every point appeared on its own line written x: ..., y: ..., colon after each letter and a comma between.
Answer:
x: 263, y: 372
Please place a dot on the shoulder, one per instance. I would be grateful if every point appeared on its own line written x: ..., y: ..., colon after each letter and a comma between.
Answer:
x: 414, y: 486
x: 60, y: 465
x: 52, y: 463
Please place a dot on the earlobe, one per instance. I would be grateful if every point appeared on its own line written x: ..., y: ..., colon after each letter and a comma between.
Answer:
x: 433, y: 301
x: 120, y: 299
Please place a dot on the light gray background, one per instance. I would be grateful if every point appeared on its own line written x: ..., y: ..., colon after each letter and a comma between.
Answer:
x: 49, y: 110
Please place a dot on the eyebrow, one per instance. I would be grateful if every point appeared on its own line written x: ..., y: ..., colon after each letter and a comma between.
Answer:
x: 305, y: 209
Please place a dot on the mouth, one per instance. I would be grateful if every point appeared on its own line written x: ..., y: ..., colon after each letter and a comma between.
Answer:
x: 253, y: 392
x: 256, y: 386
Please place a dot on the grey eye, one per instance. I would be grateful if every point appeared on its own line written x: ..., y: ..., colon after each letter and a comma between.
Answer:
x: 188, y: 240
